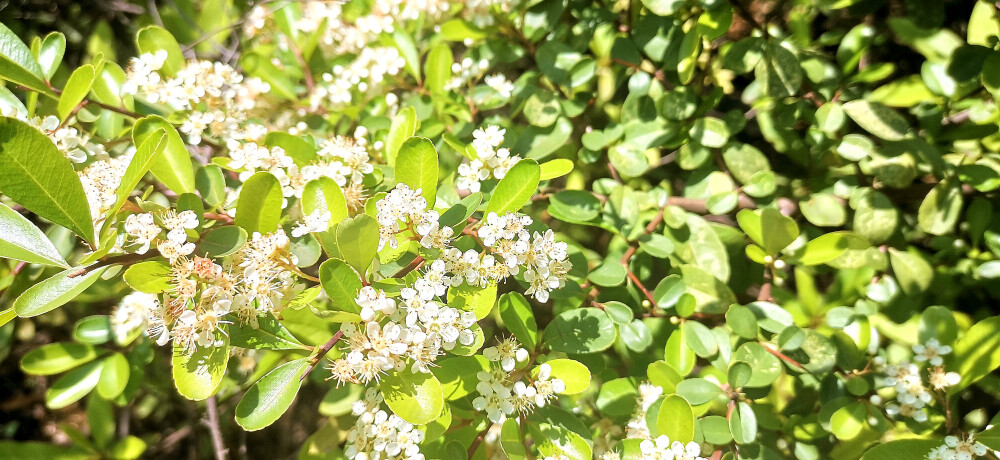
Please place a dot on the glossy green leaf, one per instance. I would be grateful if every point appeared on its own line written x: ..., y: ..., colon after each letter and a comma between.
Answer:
x: 37, y: 176
x: 56, y: 358
x: 259, y: 206
x: 54, y: 292
x: 198, y: 374
x: 73, y: 386
x: 583, y: 330
x: 114, y: 376
x: 172, y: 166
x: 18, y: 65
x: 76, y: 89
x: 414, y: 397
x: 519, y: 319
x: 271, y: 396
x: 515, y: 189
x: 417, y: 167
x: 675, y: 419
x: 151, y: 39
x: 22, y: 240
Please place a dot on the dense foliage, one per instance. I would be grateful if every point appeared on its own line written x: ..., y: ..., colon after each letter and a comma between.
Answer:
x: 560, y: 229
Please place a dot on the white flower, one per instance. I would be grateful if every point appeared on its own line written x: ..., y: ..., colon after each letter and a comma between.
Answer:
x: 932, y: 352
x: 500, y: 84
x: 315, y: 222
x: 508, y: 353
x: 939, y: 379
x: 143, y: 229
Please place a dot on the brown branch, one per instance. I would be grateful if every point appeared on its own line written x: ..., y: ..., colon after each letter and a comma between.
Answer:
x: 125, y: 259
x: 213, y: 427
x: 321, y: 352
x: 413, y: 265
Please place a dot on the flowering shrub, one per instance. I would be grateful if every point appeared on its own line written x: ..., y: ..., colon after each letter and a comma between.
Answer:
x: 550, y: 229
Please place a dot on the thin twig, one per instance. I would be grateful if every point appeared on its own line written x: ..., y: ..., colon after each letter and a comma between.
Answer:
x: 321, y: 352
x: 213, y: 427
x: 126, y: 259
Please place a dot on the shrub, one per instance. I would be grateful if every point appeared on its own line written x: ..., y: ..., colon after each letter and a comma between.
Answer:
x: 675, y: 229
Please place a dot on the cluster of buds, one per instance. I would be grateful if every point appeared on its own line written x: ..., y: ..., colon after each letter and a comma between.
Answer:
x: 491, y: 161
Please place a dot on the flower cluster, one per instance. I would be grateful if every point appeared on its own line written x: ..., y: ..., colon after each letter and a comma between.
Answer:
x: 502, y: 392
x: 101, y: 181
x: 142, y: 230
x: 543, y: 258
x: 409, y: 332
x: 361, y: 76
x: 500, y: 84
x: 465, y: 72
x: 404, y: 210
x: 491, y: 160
x: 250, y: 284
x: 378, y: 435
x: 956, y: 448
x: 216, y: 97
x: 912, y: 395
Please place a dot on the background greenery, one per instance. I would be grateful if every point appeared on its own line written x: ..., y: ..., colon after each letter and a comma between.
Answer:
x: 693, y: 129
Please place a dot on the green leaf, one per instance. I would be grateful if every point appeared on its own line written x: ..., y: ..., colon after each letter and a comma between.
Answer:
x: 977, y: 353
x: 357, y: 241
x: 742, y: 321
x: 766, y: 367
x: 555, y: 168
x: 823, y: 210
x: 877, y: 119
x: 73, y: 386
x: 457, y: 374
x: 172, y: 166
x: 18, y: 65
x: 710, y: 132
x: 93, y: 330
x: 743, y: 424
x: 519, y: 319
x: 417, y: 166
x: 824, y: 248
x: 114, y: 376
x: 148, y: 153
x: 211, y: 184
x: 848, y: 421
x: 902, y: 448
x: 151, y: 39
x: 575, y: 375
x: 941, y: 208
x: 408, y: 50
x: 414, y: 397
x: 325, y: 194
x: 341, y: 284
x: 912, y: 272
x: 739, y: 374
x: 669, y: 291
x: 269, y: 334
x: 459, y: 213
x: 574, y: 206
x: 698, y: 391
x: 50, y: 54
x: 56, y: 358
x: 437, y: 68
x: 678, y: 354
x: 515, y: 189
x: 699, y: 339
x: 197, y: 375
x: 404, y: 125
x: 768, y: 228
x: 37, y: 176
x: 301, y: 151
x: 76, y: 89
x: 479, y: 300
x: 511, y: 440
x: 54, y: 292
x: 270, y: 397
x: 583, y: 330
x: 675, y: 419
x: 22, y: 240
x: 779, y: 71
x: 636, y: 335
x: 663, y: 7
x: 259, y: 206
x: 152, y: 276
x: 558, y: 433
x: 222, y: 241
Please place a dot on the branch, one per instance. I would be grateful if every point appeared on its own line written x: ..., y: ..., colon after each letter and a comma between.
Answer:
x: 125, y: 259
x: 321, y: 352
x: 213, y: 427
